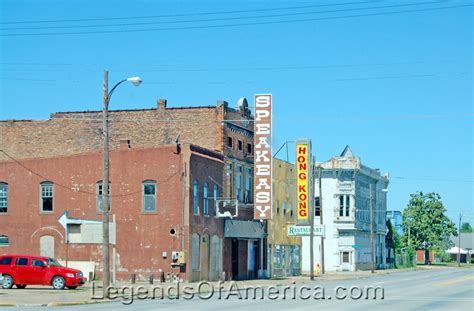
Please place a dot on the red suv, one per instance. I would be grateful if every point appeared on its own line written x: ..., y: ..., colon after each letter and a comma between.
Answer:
x: 22, y: 270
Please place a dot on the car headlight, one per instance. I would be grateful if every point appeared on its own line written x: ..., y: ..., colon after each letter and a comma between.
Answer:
x: 79, y: 274
x: 70, y: 275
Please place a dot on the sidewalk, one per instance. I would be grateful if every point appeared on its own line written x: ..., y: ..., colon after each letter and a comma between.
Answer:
x: 92, y: 292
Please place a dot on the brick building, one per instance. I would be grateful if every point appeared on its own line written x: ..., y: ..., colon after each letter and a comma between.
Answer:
x: 68, y: 147
x: 150, y: 215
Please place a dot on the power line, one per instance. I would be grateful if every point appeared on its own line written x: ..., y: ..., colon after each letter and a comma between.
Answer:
x: 187, y: 14
x: 233, y: 25
x: 227, y: 18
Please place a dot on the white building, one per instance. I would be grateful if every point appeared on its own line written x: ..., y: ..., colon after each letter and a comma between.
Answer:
x: 346, y: 215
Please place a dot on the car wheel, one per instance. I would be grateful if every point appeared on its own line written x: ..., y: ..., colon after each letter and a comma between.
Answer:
x: 72, y: 287
x: 7, y: 282
x: 58, y: 282
x: 20, y: 286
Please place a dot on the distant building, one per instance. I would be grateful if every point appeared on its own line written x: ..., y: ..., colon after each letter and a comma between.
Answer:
x: 466, y: 250
x: 346, y: 215
x: 395, y: 218
x: 284, y: 251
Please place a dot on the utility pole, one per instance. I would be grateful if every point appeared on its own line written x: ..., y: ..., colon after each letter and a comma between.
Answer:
x: 459, y: 241
x: 321, y: 217
x: 105, y: 188
x: 311, y: 210
x: 372, y: 268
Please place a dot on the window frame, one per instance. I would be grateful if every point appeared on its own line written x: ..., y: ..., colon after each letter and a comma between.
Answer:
x: 205, y: 199
x: 45, y: 184
x: 195, y: 197
x: 98, y: 207
x: 4, y: 197
x: 154, y: 195
x: 215, y: 195
x: 7, y: 238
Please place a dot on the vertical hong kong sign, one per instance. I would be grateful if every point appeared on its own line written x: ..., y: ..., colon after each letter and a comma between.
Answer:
x: 263, y: 157
x: 303, y: 174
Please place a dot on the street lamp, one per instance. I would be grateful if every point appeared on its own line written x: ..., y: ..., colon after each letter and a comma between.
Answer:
x: 105, y: 182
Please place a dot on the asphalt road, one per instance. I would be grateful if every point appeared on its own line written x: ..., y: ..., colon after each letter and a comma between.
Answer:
x: 437, y: 289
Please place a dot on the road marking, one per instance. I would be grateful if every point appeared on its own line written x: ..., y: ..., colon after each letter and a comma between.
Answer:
x: 454, y: 281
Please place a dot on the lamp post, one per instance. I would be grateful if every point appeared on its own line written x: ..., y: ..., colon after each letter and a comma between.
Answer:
x: 105, y: 182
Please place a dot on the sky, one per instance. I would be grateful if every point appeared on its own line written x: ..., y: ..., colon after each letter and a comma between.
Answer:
x: 392, y: 79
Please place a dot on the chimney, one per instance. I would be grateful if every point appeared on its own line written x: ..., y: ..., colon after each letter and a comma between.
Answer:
x: 161, y: 104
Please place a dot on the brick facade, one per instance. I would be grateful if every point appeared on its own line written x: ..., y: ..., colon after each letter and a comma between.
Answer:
x: 141, y: 237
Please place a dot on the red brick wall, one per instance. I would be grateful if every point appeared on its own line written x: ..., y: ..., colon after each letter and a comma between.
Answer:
x: 80, y: 132
x: 141, y: 238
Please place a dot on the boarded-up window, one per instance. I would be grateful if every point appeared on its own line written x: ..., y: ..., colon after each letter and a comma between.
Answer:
x: 149, y: 196
x: 99, y: 197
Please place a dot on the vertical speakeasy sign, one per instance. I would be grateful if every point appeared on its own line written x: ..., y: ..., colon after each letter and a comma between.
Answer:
x: 263, y: 157
x: 303, y: 174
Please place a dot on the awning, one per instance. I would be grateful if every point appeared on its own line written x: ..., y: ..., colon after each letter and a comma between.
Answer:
x: 243, y: 229
x: 455, y: 250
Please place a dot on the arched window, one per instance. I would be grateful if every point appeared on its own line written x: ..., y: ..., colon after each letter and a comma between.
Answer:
x: 205, y: 199
x: 196, y: 197
x: 3, y: 197
x: 47, y: 196
x: 215, y: 196
x: 149, y: 196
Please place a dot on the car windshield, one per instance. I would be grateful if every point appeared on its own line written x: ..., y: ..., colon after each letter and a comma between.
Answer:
x: 53, y: 262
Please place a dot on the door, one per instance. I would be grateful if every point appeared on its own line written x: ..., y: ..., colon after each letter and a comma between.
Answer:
x: 204, y: 257
x: 346, y: 261
x: 21, y: 271
x: 235, y: 259
x: 47, y: 246
x: 38, y: 271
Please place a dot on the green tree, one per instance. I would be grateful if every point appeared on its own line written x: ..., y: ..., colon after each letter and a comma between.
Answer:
x: 425, y: 224
x: 466, y: 228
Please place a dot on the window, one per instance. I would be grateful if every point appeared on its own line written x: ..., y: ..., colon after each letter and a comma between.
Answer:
x: 4, y: 240
x: 149, y: 196
x: 284, y: 208
x: 348, y: 204
x: 205, y: 200
x: 229, y: 142
x: 21, y: 261
x: 278, y: 207
x: 196, y: 197
x: 99, y: 197
x: 6, y: 261
x: 317, y: 205
x: 238, y: 183
x: 215, y: 195
x: 344, y: 205
x: 241, y: 145
x: 345, y: 257
x: 248, y: 185
x: 291, y: 210
x: 37, y: 263
x: 3, y: 197
x: 249, y: 148
x: 230, y: 173
x: 341, y: 205
x: 47, y: 196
